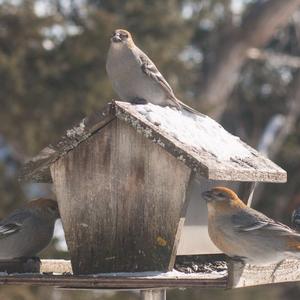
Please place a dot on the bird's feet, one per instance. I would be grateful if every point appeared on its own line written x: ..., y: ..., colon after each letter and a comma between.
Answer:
x: 238, y: 259
x: 139, y: 101
x: 33, y: 259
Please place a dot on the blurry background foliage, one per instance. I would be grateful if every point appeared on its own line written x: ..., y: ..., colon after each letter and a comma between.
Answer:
x: 52, y: 73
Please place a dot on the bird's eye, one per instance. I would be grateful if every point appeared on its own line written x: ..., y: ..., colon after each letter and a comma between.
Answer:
x: 220, y: 195
x: 53, y: 208
x: 124, y: 35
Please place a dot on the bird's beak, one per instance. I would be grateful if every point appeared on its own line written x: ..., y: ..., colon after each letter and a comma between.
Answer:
x: 207, y: 196
x: 116, y: 38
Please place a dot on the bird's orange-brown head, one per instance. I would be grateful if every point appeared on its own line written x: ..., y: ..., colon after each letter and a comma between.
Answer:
x: 121, y: 37
x: 223, y: 197
x: 47, y: 205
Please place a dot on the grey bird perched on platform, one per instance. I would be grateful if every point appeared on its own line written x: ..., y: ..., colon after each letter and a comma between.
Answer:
x: 28, y: 230
x: 135, y: 77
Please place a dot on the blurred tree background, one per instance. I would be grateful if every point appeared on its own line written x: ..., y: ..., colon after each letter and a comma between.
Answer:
x: 236, y: 60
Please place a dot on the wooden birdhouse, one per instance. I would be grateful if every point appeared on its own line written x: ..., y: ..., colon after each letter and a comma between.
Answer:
x: 123, y: 179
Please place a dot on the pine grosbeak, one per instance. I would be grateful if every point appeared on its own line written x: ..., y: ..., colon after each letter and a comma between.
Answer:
x: 135, y: 77
x: 244, y: 233
x: 28, y: 230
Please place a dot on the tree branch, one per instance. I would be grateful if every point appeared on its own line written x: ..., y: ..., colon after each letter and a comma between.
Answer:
x: 257, y: 28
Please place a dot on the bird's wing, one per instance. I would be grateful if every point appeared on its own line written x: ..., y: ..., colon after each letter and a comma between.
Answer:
x: 149, y: 68
x: 8, y: 229
x: 14, y: 222
x: 251, y: 220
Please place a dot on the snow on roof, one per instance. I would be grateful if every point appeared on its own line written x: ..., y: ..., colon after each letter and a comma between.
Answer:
x: 197, y: 141
x: 195, y: 131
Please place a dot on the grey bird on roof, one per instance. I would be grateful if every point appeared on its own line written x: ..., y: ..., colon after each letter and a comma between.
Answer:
x: 135, y: 78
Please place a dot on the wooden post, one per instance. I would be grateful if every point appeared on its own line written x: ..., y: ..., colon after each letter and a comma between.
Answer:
x: 121, y: 199
x: 153, y: 294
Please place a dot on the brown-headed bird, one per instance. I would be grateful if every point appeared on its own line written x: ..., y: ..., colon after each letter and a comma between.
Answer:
x: 28, y: 230
x: 246, y: 234
x: 135, y: 78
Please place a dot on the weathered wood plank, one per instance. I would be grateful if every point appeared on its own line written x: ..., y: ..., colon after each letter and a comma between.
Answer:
x: 92, y: 282
x: 184, y: 208
x: 237, y: 276
x: 240, y: 275
x: 253, y: 168
x: 120, y: 198
x: 58, y: 275
x: 37, y: 168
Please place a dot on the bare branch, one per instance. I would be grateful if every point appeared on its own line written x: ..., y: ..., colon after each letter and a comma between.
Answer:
x: 293, y: 114
x: 275, y: 59
x: 257, y: 28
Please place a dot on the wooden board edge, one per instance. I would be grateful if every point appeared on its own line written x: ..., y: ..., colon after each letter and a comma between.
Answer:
x: 240, y: 275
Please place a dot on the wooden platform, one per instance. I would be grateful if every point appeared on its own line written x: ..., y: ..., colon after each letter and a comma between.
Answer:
x: 58, y: 273
x: 109, y: 282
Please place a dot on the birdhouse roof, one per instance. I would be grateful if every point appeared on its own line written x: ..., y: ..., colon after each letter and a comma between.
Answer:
x: 197, y: 141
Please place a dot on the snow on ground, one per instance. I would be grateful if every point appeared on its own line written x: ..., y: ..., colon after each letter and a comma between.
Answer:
x: 198, y: 132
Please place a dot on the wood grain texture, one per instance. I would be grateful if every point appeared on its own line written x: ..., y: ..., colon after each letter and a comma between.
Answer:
x: 240, y: 275
x: 120, y: 198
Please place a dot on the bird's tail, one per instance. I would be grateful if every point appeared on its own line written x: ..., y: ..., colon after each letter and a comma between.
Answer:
x: 190, y: 109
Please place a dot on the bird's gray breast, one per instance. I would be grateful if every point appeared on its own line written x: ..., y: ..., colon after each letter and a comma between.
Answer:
x: 128, y: 79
